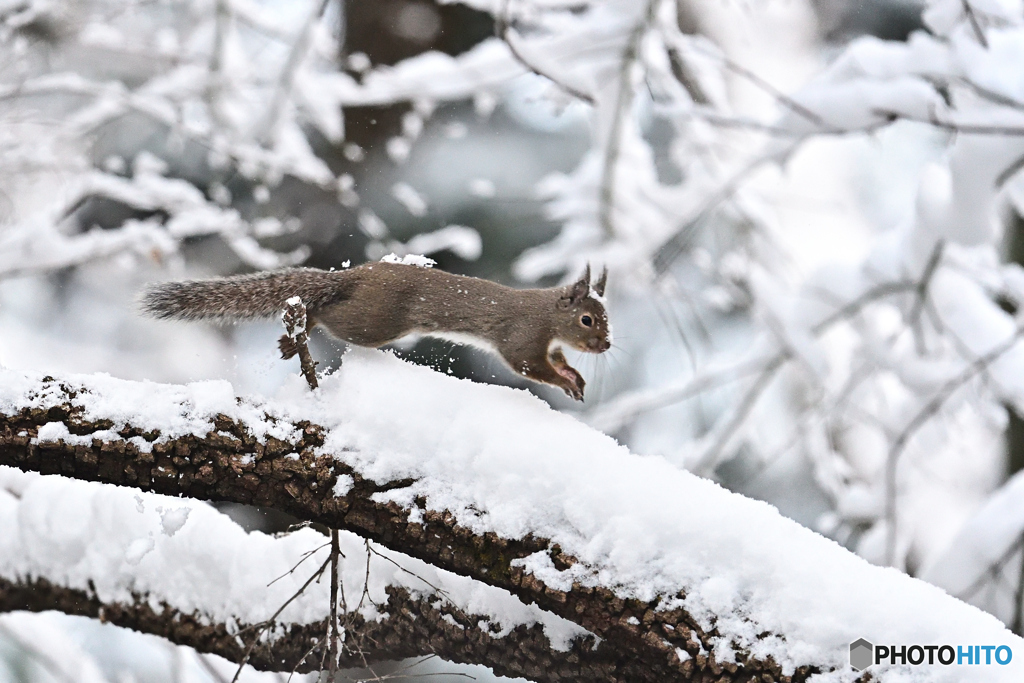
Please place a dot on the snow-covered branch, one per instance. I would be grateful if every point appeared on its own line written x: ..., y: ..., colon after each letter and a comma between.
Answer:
x: 183, y: 571
x: 670, y: 571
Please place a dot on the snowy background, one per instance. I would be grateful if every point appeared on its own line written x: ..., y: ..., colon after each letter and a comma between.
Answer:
x: 811, y: 212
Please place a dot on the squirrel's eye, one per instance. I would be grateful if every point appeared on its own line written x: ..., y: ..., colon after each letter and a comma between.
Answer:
x: 587, y: 320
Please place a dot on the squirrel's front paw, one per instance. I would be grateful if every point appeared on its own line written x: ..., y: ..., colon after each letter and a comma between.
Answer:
x: 574, y: 385
x: 571, y: 381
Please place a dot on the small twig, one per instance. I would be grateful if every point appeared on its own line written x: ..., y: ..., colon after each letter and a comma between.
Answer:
x: 975, y: 26
x: 977, y: 366
x: 503, y: 29
x: 315, y: 645
x: 991, y: 570
x: 305, y: 556
x: 287, y: 76
x: 293, y: 342
x: 263, y: 626
x: 675, y: 245
x: 366, y: 579
x: 332, y: 646
x: 922, y: 295
x: 440, y: 591
x: 623, y: 101
x: 1017, y: 625
x: 686, y: 78
x: 1009, y: 172
x: 764, y: 85
x: 991, y: 95
x: 952, y: 126
x: 853, y: 307
x: 214, y: 85
x: 728, y: 430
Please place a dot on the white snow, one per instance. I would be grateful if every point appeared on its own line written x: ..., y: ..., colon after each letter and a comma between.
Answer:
x: 501, y: 460
x: 81, y: 534
x: 410, y: 260
x: 173, y: 520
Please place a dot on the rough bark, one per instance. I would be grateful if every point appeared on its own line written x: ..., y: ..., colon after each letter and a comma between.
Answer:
x: 289, y: 476
x: 413, y: 628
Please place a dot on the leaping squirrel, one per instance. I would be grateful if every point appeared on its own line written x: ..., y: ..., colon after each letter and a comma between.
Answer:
x: 377, y: 303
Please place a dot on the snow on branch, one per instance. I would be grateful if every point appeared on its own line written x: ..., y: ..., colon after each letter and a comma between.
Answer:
x: 184, y: 571
x: 673, y: 573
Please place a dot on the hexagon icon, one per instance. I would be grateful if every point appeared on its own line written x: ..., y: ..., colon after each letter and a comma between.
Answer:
x: 861, y: 654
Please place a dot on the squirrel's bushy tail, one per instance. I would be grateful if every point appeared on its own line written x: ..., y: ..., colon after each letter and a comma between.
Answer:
x: 260, y: 295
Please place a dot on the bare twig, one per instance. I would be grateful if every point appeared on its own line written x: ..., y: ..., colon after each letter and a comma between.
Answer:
x: 977, y: 366
x: 854, y: 307
x: 611, y: 418
x: 440, y: 591
x: 293, y: 342
x: 922, y: 295
x: 1009, y: 172
x: 952, y: 126
x: 782, y: 98
x: 675, y: 245
x: 332, y: 628
x: 684, y: 74
x: 1017, y: 625
x: 305, y: 556
x: 991, y: 570
x: 728, y: 430
x: 975, y: 25
x: 263, y: 626
x: 503, y: 29
x: 623, y: 102
x: 991, y: 95
x: 214, y: 84
x: 287, y: 75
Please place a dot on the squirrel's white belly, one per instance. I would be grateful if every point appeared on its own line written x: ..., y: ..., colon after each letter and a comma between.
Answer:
x: 465, y: 340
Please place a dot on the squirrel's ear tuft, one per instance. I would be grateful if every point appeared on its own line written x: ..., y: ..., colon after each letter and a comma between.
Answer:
x: 601, y: 282
x: 581, y: 287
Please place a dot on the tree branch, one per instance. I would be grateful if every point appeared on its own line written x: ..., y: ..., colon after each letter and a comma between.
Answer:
x: 297, y: 477
x: 413, y: 627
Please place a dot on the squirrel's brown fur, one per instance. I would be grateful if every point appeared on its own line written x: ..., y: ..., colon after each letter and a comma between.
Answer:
x: 377, y: 303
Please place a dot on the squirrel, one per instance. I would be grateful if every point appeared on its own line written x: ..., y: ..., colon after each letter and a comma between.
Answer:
x: 377, y: 303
